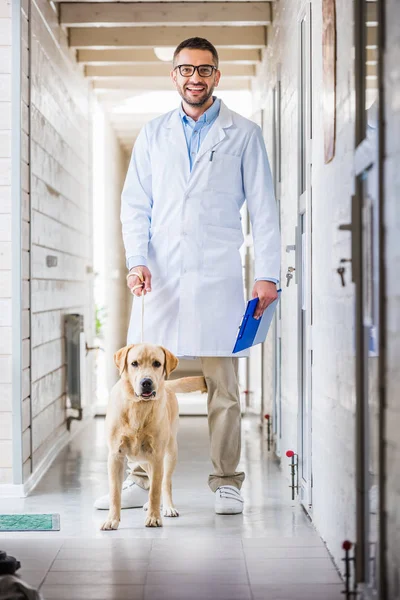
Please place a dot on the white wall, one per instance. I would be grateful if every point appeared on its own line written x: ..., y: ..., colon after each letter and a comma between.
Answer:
x: 61, y: 222
x: 5, y: 245
x: 110, y: 164
x: 333, y: 350
x: 392, y: 249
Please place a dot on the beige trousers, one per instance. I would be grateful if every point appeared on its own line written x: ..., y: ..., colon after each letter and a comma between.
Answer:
x: 221, y: 375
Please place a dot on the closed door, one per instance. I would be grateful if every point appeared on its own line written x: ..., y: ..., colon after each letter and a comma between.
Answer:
x: 304, y: 263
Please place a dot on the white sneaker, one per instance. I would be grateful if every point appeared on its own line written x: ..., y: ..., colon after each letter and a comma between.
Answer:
x: 133, y: 496
x: 228, y: 500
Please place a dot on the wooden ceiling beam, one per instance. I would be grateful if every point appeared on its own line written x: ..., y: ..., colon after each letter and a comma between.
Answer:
x: 149, y: 14
x: 152, y: 37
x: 147, y: 56
x: 160, y: 70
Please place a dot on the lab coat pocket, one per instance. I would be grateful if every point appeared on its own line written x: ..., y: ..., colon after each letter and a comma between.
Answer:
x: 221, y: 256
x: 225, y: 174
x: 158, y: 252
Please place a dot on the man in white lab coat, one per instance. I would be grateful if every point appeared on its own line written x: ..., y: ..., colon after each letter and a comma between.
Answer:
x: 190, y: 172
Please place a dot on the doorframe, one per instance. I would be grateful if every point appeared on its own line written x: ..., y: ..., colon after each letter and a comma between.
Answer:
x: 277, y: 329
x: 304, y: 290
x: 362, y: 161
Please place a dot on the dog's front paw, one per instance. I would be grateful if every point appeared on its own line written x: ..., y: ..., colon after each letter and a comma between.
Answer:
x: 170, y: 511
x: 153, y: 520
x: 110, y: 524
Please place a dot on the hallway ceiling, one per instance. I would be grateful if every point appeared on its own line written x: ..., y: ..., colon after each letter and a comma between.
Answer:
x: 115, y: 41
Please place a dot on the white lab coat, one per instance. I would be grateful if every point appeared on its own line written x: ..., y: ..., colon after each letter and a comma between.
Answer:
x: 188, y: 226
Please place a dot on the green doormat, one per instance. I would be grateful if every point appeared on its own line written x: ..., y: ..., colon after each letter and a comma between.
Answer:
x: 29, y: 522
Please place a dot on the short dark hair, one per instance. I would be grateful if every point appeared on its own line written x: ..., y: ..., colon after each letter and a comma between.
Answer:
x: 197, y: 43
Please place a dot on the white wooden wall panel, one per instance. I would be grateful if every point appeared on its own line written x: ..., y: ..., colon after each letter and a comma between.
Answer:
x: 60, y: 219
x: 5, y: 115
x: 47, y: 421
x: 26, y: 324
x: 46, y: 327
x: 5, y: 256
x: 27, y: 469
x: 46, y: 389
x: 69, y: 267
x: 5, y: 454
x: 49, y: 442
x: 26, y: 382
x: 5, y: 475
x: 48, y: 233
x: 49, y: 201
x: 47, y: 358
x: 6, y: 426
x: 5, y: 397
x: 5, y: 284
x: 26, y: 444
x: 5, y: 340
x: 5, y: 369
x: 26, y: 265
x: 5, y: 245
x: 5, y: 312
x: 26, y: 414
x: 53, y: 295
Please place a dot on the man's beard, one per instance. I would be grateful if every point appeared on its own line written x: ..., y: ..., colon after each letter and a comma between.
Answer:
x: 200, y: 101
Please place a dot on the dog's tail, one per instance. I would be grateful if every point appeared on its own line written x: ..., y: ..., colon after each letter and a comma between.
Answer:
x: 187, y: 384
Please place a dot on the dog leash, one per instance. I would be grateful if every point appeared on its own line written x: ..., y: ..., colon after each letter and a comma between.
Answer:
x: 135, y: 287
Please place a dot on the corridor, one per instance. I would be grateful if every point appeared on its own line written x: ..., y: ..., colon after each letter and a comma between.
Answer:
x: 85, y: 84
x: 271, y: 552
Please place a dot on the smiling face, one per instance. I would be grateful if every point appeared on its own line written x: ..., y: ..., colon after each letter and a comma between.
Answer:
x: 145, y: 366
x: 195, y: 90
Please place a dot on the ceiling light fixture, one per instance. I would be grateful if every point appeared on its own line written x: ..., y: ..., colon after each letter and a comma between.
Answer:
x: 165, y: 54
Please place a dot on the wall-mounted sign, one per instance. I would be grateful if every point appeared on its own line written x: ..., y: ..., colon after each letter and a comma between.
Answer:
x: 329, y: 76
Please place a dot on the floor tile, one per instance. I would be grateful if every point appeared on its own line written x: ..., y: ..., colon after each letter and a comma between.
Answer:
x: 192, y: 592
x: 263, y: 553
x: 114, y: 563
x: 96, y: 578
x: 105, y: 543
x: 297, y: 592
x: 33, y: 577
x: 283, y: 542
x: 197, y: 563
x: 289, y: 564
x: 272, y: 547
x: 167, y: 578
x: 93, y: 592
x: 102, y: 554
x: 290, y: 574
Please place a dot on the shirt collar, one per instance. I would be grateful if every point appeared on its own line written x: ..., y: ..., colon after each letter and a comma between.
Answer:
x: 207, y: 117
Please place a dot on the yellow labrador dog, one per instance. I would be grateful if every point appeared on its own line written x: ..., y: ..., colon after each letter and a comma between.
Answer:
x: 142, y: 424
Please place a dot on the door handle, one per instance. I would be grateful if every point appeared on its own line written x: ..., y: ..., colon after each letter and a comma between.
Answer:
x: 354, y: 230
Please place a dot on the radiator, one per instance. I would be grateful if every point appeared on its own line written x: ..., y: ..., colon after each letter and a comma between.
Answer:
x: 75, y: 363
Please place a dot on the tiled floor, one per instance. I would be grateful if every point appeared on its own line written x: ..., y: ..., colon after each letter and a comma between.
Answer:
x: 270, y: 552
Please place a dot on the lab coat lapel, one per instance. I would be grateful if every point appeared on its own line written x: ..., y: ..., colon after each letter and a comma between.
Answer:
x: 177, y: 141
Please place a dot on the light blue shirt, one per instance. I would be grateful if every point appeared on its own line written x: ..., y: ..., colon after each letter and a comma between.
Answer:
x: 195, y: 133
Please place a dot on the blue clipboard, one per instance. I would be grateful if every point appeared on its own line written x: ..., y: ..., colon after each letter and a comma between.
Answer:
x: 254, y: 331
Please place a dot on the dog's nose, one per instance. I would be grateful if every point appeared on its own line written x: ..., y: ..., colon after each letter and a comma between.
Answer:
x: 146, y: 384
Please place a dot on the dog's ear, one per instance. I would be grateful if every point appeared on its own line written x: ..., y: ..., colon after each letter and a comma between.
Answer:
x: 120, y: 358
x: 171, y: 362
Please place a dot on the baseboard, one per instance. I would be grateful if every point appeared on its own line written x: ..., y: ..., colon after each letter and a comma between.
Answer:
x: 11, y: 490
x: 23, y: 490
x: 46, y: 462
x: 52, y: 454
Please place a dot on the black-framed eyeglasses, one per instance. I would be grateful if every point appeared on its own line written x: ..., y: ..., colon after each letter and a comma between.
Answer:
x: 203, y: 70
